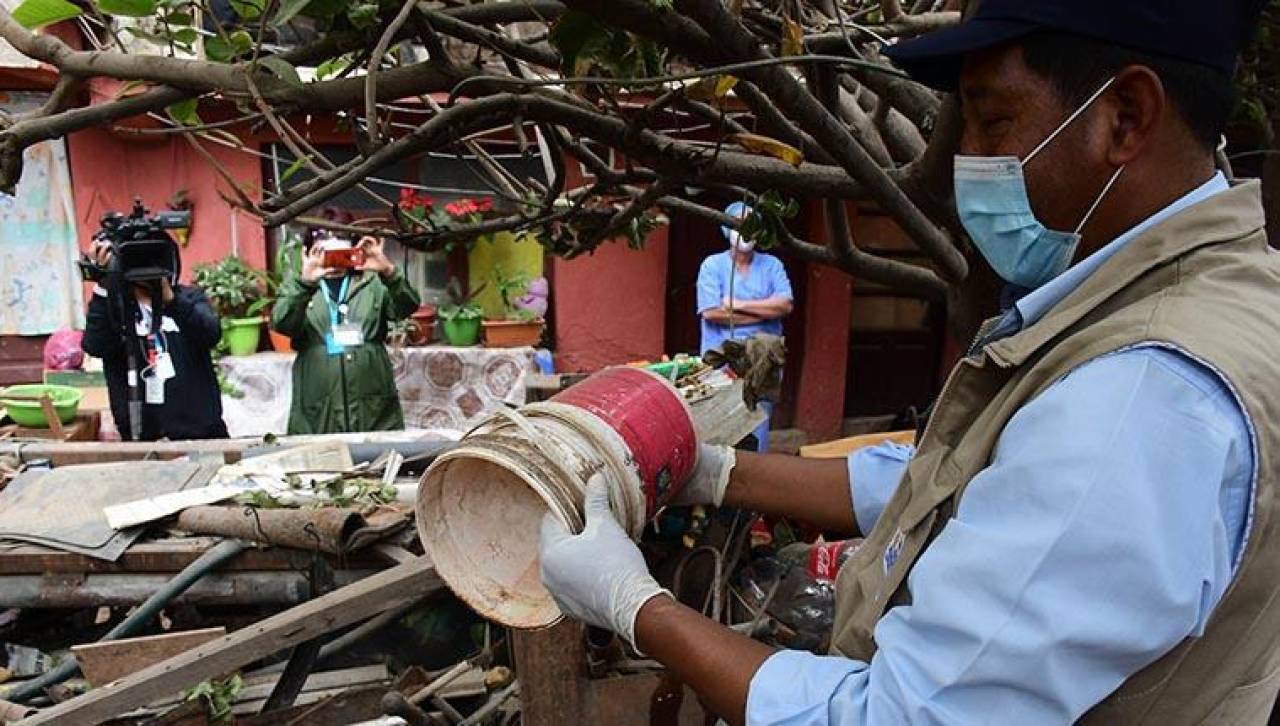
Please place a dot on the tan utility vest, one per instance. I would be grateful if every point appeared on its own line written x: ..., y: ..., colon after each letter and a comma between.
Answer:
x: 1203, y: 281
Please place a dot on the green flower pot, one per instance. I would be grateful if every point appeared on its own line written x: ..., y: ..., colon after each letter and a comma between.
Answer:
x: 241, y: 335
x: 462, y: 332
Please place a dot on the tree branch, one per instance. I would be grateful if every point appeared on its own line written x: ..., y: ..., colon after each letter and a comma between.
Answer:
x: 375, y: 64
x: 899, y: 275
x: 800, y: 105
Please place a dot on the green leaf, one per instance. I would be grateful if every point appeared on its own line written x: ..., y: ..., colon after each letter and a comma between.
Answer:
x: 573, y: 33
x: 224, y: 50
x: 294, y: 168
x: 179, y: 18
x: 281, y: 69
x: 248, y: 9
x: 363, y: 15
x: 289, y: 9
x: 331, y: 67
x: 186, y: 36
x: 184, y: 112
x: 34, y: 14
x: 128, y: 8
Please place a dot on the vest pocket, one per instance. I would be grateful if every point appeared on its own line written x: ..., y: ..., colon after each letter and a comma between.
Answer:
x: 1248, y: 704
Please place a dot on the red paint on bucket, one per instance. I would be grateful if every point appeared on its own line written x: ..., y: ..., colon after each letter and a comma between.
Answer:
x: 650, y: 417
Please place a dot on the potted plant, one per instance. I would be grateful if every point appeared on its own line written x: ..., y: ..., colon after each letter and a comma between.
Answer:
x: 524, y: 303
x: 423, y: 322
x: 237, y: 293
x: 288, y: 263
x: 461, y: 318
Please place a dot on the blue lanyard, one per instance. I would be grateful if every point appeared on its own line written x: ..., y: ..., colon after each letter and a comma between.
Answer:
x: 334, y: 307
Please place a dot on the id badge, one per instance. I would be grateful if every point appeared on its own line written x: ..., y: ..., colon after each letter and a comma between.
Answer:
x: 154, y: 389
x: 348, y: 335
x: 164, y: 367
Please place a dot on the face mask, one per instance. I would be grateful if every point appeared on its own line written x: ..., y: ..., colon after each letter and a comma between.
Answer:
x: 991, y: 199
x: 738, y: 243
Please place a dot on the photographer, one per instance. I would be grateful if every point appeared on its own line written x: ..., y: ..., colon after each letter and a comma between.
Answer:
x: 182, y: 399
x: 336, y: 312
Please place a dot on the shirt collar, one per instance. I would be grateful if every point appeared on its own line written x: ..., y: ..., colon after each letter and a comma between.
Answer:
x: 1035, y: 304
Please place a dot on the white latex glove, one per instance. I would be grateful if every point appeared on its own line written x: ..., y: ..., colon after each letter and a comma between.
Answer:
x: 710, y: 477
x: 599, y: 576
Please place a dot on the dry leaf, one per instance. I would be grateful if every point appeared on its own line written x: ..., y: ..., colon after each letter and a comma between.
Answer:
x: 724, y: 84
x: 792, y: 38
x: 772, y: 147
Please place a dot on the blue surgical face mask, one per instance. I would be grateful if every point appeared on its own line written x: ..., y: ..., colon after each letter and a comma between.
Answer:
x: 991, y: 199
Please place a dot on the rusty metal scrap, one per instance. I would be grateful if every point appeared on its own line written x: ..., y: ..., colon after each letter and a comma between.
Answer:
x: 326, y: 529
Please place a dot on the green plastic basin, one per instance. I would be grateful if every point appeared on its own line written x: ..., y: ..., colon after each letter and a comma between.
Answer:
x: 66, y: 400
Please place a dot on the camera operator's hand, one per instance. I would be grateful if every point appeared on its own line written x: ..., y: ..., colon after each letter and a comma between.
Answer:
x: 374, y: 258
x: 100, y: 253
x: 313, y: 266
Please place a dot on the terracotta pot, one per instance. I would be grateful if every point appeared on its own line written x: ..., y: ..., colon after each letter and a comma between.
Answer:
x: 512, y: 333
x: 424, y: 323
x: 280, y: 342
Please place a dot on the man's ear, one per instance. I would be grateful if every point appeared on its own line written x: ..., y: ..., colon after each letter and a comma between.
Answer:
x: 1136, y: 106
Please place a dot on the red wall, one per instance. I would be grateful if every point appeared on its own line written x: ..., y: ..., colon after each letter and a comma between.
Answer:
x: 819, y: 407
x: 610, y: 307
x: 108, y: 171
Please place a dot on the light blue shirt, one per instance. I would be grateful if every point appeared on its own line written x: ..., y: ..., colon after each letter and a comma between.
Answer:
x: 765, y: 278
x: 1103, y: 533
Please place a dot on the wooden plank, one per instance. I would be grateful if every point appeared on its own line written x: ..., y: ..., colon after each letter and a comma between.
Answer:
x: 841, y: 448
x: 628, y: 701
x: 165, y: 555
x: 552, y: 667
x: 385, y: 590
x: 105, y: 662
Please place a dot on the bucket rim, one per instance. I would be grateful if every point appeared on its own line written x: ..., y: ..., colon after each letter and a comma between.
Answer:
x: 453, y: 570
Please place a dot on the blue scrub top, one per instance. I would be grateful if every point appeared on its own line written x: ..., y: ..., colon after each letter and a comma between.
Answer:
x: 765, y: 278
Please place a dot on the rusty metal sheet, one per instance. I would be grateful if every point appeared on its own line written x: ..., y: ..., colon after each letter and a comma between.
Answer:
x: 328, y: 529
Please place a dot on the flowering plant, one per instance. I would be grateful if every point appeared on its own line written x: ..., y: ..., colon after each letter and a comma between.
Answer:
x: 469, y: 210
x: 415, y: 204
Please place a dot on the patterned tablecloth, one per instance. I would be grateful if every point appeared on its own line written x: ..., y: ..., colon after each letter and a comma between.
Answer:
x: 440, y: 388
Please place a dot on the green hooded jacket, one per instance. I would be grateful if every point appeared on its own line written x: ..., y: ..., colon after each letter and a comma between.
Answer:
x: 354, y: 391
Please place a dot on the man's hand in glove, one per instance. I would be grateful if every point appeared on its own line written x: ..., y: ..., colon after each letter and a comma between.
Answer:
x: 710, y: 477
x: 599, y: 576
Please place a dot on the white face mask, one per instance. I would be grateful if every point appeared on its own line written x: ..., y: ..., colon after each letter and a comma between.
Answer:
x: 738, y: 243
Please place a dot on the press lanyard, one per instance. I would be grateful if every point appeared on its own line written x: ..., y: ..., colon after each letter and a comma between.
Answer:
x: 339, y: 307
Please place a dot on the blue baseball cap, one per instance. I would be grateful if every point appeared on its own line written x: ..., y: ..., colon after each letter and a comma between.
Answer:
x: 1209, y: 35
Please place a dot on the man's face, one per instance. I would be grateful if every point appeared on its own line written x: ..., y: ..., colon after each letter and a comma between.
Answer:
x: 1009, y: 109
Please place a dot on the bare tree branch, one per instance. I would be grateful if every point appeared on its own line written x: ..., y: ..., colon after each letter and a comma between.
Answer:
x: 802, y: 106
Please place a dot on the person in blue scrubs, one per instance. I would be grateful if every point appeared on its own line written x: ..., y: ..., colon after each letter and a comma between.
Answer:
x: 742, y: 292
x: 1116, y: 509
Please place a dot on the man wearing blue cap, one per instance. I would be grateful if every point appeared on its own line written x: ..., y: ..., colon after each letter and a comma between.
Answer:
x: 742, y: 292
x: 1087, y: 529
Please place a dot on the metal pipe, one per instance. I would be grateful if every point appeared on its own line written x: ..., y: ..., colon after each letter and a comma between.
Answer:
x: 206, y: 563
x: 492, y: 704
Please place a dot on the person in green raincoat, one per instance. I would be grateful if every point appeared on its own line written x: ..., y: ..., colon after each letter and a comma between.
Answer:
x: 337, y: 320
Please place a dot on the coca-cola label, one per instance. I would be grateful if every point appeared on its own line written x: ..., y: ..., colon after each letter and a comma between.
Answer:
x: 824, y: 560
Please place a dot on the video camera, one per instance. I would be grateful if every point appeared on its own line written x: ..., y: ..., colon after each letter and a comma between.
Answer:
x: 142, y: 250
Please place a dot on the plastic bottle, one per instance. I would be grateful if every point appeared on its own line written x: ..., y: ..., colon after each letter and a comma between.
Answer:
x: 804, y: 602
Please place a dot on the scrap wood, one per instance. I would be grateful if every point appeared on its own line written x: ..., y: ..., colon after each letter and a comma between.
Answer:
x: 841, y: 448
x: 107, y: 661
x: 164, y: 555
x: 139, y: 617
x: 327, y: 613
x: 327, y: 529
x: 10, y: 711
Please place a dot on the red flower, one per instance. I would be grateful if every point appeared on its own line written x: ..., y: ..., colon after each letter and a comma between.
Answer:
x: 485, y: 205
